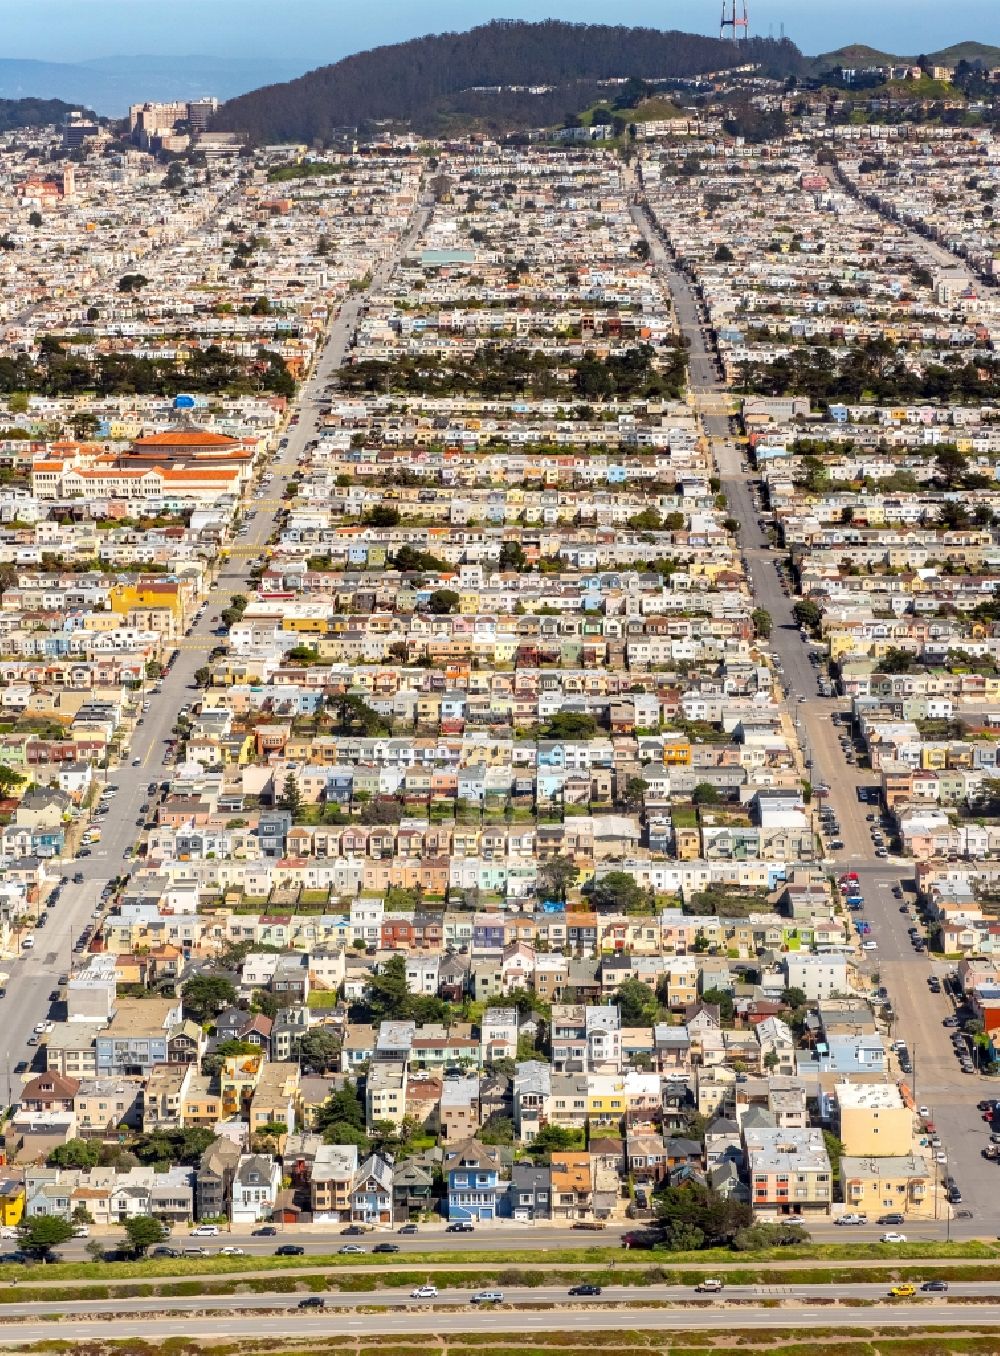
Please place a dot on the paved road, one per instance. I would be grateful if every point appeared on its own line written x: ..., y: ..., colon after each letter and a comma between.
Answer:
x: 402, y: 1297
x: 33, y: 975
x: 715, y: 1315
x: 938, y: 1080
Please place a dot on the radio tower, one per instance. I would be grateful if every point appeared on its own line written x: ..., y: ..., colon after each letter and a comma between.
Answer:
x: 735, y: 23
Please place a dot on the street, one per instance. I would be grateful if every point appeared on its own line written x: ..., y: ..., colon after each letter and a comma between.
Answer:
x: 937, y: 1080
x: 34, y: 974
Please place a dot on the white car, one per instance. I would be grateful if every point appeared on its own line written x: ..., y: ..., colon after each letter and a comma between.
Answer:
x: 205, y: 1231
x: 231, y: 1251
x: 869, y: 945
x: 893, y: 1238
x: 81, y: 1231
x: 424, y: 1292
x: 8, y: 1232
x: 941, y: 1157
x: 923, y: 1111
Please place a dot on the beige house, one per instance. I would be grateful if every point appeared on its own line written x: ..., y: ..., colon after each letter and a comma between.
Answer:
x: 873, y: 1120
x: 904, y: 1184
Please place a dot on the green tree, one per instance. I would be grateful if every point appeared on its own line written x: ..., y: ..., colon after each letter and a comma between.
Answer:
x: 693, y: 1215
x: 808, y: 614
x: 204, y: 996
x: 835, y: 1152
x: 951, y: 465
x: 723, y: 254
x: 634, y: 794
x: 637, y: 1003
x: 556, y: 875
x: 617, y: 892
x: 35, y: 219
x: 443, y: 601
x: 723, y: 1000
x: 202, y: 675
x: 555, y: 1139
x: 512, y: 556
x: 76, y: 1153
x: 41, y: 1233
x: 382, y: 515
x: 145, y: 1232
x: 319, y: 1049
x: 761, y: 619
x: 705, y: 794
x: 570, y: 725
x: 291, y: 796
x: 896, y: 660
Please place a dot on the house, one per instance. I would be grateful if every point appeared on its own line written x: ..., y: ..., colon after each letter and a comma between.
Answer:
x: 412, y: 1189
x: 331, y: 1181
x: 530, y: 1191
x: 900, y: 1183
x: 789, y: 1171
x: 371, y: 1192
x: 572, y: 1186
x: 872, y: 1119
x: 256, y: 1182
x: 213, y: 1178
x: 474, y: 1174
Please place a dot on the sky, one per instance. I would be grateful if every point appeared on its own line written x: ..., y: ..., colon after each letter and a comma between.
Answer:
x: 316, y: 32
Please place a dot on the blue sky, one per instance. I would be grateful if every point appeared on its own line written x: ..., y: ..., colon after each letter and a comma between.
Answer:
x: 315, y: 32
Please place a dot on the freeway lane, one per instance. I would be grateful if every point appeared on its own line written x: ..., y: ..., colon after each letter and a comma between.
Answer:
x: 714, y: 1315
x: 940, y: 1084
x: 100, y: 1310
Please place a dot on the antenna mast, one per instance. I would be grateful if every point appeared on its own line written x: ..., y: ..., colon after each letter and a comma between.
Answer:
x: 735, y: 22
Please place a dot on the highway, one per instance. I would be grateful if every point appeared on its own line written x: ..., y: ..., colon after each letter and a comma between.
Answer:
x: 34, y: 974
x: 715, y: 1314
x: 403, y: 1297
x: 937, y: 1080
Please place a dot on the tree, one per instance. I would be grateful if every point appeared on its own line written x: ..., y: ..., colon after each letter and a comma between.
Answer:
x: 618, y: 892
x: 291, y: 796
x: 512, y: 556
x: 808, y: 614
x: 76, y: 1153
x: 497, y: 1129
x: 387, y: 995
x: 835, y: 1152
x: 35, y: 219
x: 94, y: 1249
x: 443, y: 601
x: 705, y: 794
x: 570, y: 725
x: 41, y: 1233
x: 723, y: 254
x: 555, y: 1139
x: 556, y: 875
x: 637, y: 1003
x: 319, y: 1049
x: 723, y: 1000
x: 382, y: 515
x: 794, y: 998
x: 692, y: 1215
x: 951, y: 465
x: 634, y: 794
x: 761, y: 619
x: 204, y: 996
x: 145, y: 1232
x: 895, y: 660
x: 202, y: 675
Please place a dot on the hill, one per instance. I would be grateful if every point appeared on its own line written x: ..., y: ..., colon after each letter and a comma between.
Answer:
x: 857, y: 54
x: 16, y: 113
x: 461, y: 79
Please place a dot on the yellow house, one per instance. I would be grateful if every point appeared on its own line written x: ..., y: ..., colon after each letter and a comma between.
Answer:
x: 677, y: 752
x: 873, y: 1185
x: 237, y: 1080
x: 11, y: 1204
x: 873, y: 1120
x: 125, y: 598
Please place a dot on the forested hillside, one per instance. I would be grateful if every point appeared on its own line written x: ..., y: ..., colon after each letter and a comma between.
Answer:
x: 431, y: 82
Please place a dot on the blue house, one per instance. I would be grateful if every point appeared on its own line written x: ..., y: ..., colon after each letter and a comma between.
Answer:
x: 475, y: 1189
